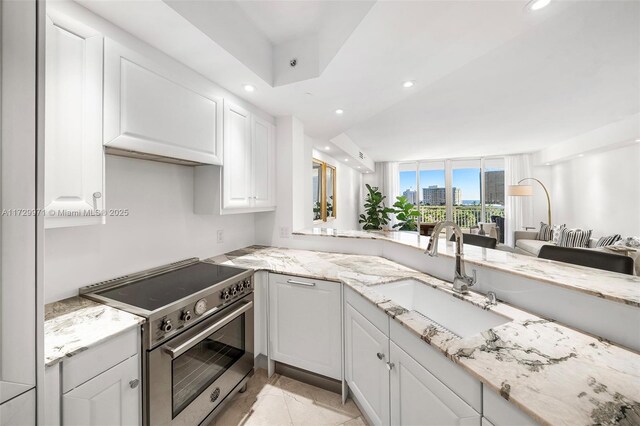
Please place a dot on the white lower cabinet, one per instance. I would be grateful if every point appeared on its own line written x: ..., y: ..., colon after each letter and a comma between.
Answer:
x: 20, y: 410
x: 418, y: 398
x: 99, y: 386
x: 486, y: 422
x: 500, y: 412
x: 366, y: 373
x: 305, y: 326
x: 403, y: 381
x: 110, y: 398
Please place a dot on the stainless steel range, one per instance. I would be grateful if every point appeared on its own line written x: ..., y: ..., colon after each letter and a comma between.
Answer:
x: 198, y: 339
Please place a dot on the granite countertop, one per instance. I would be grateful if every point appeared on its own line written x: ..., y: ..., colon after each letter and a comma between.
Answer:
x: 608, y: 285
x: 75, y: 324
x: 555, y: 374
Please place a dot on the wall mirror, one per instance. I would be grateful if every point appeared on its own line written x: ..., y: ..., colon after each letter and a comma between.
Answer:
x: 323, y: 190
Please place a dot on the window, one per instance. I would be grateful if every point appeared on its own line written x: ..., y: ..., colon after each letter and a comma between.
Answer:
x: 494, y: 194
x: 433, y: 201
x: 323, y: 188
x: 468, y: 192
x: 408, y: 183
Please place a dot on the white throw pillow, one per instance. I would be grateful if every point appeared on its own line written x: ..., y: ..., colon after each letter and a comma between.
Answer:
x: 556, y: 230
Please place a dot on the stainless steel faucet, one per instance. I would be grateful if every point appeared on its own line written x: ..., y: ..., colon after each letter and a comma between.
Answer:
x: 461, y: 281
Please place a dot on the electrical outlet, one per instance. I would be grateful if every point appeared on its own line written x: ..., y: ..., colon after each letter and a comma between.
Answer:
x: 220, y: 236
x: 284, y: 232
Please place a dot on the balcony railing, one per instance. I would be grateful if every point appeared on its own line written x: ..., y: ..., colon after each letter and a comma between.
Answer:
x: 464, y: 216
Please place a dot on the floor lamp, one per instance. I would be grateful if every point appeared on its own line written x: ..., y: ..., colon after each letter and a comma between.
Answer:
x: 521, y: 190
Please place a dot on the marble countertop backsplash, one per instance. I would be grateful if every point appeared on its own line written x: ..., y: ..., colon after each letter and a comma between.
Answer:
x: 608, y: 285
x: 75, y: 324
x: 557, y: 375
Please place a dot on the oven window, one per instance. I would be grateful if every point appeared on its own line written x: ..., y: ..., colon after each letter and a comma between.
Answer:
x: 196, y: 369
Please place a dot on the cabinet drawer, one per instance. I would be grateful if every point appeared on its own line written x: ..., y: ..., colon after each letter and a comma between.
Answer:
x: 371, y: 312
x: 88, y: 364
x: 305, y: 326
x: 454, y: 377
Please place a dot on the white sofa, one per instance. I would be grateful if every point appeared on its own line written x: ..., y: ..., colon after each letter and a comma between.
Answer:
x: 527, y: 242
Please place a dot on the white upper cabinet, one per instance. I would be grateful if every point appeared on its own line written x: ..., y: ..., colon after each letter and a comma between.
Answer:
x: 246, y: 181
x: 74, y: 158
x: 237, y: 182
x: 160, y: 110
x: 264, y: 163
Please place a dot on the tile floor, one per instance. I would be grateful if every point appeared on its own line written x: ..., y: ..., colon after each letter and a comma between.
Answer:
x: 284, y: 401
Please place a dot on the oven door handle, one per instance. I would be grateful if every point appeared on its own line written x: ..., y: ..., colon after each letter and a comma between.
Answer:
x: 191, y: 342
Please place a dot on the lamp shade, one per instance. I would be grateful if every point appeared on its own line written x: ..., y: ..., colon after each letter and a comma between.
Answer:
x: 520, y: 190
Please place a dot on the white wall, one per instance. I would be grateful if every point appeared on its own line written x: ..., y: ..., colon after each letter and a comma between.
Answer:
x: 600, y: 191
x: 161, y: 228
x: 348, y: 190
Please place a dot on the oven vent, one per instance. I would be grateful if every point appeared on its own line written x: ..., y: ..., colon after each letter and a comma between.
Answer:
x: 361, y: 155
x: 125, y: 279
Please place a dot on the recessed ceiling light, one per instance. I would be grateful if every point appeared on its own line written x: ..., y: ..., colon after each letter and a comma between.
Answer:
x: 637, y: 140
x: 327, y: 147
x: 339, y: 111
x: 547, y: 164
x: 249, y: 88
x: 408, y: 84
x: 580, y: 155
x: 537, y: 4
x: 358, y: 167
x: 346, y: 160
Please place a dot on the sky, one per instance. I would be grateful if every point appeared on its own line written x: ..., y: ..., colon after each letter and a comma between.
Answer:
x: 468, y: 180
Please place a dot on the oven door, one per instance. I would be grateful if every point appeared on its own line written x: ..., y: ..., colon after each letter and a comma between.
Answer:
x: 192, y: 373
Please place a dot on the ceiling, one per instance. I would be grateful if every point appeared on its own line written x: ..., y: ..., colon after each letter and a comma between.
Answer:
x: 491, y: 77
x: 282, y: 21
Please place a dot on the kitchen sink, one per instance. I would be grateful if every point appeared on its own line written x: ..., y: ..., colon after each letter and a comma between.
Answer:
x: 455, y: 315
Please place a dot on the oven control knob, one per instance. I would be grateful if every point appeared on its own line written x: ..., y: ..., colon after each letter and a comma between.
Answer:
x: 225, y: 294
x: 166, y: 326
x: 241, y: 286
x: 186, y: 316
x: 247, y: 283
x: 234, y: 291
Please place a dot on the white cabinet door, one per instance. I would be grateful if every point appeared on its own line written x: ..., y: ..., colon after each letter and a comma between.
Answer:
x: 366, y: 373
x: 74, y: 159
x: 418, y: 398
x: 19, y: 411
x: 159, y: 109
x: 111, y: 398
x: 237, y: 188
x: 500, y: 412
x: 305, y: 327
x: 264, y: 162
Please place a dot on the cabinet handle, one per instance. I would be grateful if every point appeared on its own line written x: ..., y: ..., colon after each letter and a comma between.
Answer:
x: 390, y: 366
x: 96, y: 195
x: 301, y: 283
x: 134, y: 383
x: 380, y: 355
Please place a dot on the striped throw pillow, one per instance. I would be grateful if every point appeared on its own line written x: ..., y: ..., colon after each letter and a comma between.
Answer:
x: 609, y: 240
x: 574, y: 238
x: 545, y: 233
